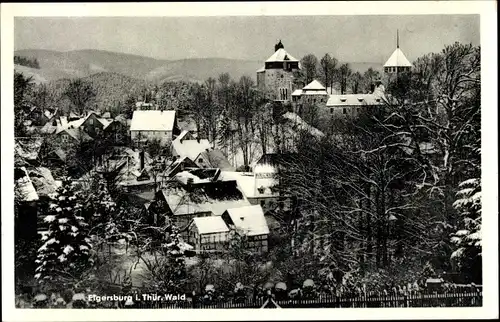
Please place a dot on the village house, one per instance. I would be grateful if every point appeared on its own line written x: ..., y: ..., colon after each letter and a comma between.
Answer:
x: 351, y: 105
x: 180, y: 203
x: 94, y: 125
x: 179, y: 165
x: 70, y: 137
x: 313, y: 93
x: 250, y: 223
x: 211, y: 158
x: 261, y: 186
x: 185, y: 145
x: 151, y: 124
x: 208, y: 233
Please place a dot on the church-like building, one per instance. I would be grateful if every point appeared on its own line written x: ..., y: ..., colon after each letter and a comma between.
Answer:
x: 276, y: 76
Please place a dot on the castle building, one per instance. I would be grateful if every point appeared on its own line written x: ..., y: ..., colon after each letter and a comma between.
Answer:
x: 276, y: 77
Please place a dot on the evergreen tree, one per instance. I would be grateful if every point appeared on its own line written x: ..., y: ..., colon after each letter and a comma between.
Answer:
x: 167, y: 272
x: 66, y: 249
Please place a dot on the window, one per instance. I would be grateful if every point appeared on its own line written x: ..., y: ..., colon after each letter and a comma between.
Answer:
x: 344, y: 111
x: 331, y: 110
x: 262, y: 203
x: 91, y: 121
x: 200, y: 160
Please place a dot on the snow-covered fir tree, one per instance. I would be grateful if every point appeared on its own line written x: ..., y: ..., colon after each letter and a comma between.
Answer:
x: 166, y: 271
x: 468, y: 238
x: 66, y: 249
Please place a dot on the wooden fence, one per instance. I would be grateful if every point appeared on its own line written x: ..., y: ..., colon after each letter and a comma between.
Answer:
x: 471, y: 299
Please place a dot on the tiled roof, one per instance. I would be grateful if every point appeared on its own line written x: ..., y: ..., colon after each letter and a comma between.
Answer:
x: 281, y: 55
x: 250, y: 220
x: 397, y: 59
x: 210, y: 225
x: 153, y: 121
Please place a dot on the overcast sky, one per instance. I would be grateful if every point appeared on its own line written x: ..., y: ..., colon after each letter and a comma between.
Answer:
x: 348, y: 38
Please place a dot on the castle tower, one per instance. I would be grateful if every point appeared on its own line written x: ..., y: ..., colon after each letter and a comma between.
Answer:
x: 276, y: 77
x: 397, y: 63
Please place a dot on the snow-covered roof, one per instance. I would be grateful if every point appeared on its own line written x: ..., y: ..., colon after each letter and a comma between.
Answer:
x: 397, y: 59
x: 250, y: 220
x: 303, y: 125
x: 184, y: 176
x: 280, y: 56
x: 314, y: 86
x: 105, y: 122
x: 297, y: 92
x: 24, y: 186
x: 77, y: 134
x: 185, y: 135
x: 210, y: 225
x: 181, y: 202
x: 153, y: 121
x: 143, y: 104
x: 43, y: 181
x: 28, y: 148
x: 215, y: 159
x: 63, y: 124
x: 190, y: 148
x: 246, y: 181
x: 354, y: 100
x: 260, y: 70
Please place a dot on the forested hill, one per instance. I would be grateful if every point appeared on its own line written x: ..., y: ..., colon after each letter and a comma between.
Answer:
x: 111, y: 89
x: 55, y: 65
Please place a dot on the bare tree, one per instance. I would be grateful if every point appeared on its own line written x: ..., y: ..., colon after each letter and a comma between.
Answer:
x: 309, y: 65
x: 343, y: 75
x: 328, y: 66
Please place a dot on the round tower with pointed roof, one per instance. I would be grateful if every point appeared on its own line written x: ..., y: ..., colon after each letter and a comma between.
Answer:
x: 276, y: 76
x: 397, y: 62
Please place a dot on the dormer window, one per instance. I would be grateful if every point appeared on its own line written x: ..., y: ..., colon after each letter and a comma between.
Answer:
x: 261, y: 190
x: 343, y: 99
x: 360, y: 99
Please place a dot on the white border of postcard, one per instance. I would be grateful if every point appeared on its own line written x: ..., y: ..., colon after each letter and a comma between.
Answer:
x: 488, y: 22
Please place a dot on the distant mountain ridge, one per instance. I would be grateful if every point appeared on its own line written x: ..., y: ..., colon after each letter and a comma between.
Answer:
x: 81, y: 63
x: 56, y: 65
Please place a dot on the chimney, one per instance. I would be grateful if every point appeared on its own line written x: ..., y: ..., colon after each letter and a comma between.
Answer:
x: 198, y: 139
x: 141, y: 157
